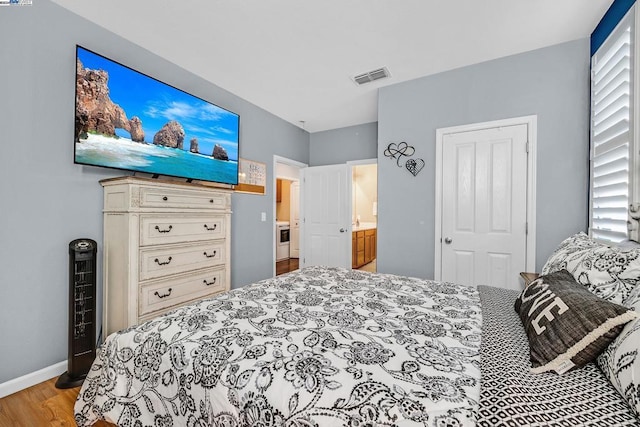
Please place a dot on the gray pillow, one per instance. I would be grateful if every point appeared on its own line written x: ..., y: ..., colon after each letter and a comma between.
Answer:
x: 567, y: 326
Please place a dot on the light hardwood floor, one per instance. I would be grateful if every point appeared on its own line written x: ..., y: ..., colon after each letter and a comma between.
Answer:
x: 40, y: 405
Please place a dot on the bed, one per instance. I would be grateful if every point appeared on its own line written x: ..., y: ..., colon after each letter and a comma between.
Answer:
x: 335, y: 347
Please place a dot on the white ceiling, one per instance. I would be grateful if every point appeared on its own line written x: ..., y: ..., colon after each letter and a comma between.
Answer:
x: 296, y: 58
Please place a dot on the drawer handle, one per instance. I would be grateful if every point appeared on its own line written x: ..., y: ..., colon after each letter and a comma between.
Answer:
x: 213, y: 282
x: 212, y: 255
x: 165, y: 198
x: 211, y: 228
x: 162, y: 263
x: 163, y: 295
x: 210, y: 200
x: 164, y: 231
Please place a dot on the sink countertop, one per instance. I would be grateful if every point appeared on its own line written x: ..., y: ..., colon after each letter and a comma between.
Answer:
x: 364, y: 226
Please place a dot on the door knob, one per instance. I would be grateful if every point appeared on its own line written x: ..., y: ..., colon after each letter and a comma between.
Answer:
x: 342, y: 230
x: 448, y: 240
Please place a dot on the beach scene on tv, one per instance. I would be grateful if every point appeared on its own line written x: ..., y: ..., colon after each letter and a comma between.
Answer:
x: 127, y: 120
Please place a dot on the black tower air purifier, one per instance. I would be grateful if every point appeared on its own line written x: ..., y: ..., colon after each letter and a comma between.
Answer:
x: 82, y: 312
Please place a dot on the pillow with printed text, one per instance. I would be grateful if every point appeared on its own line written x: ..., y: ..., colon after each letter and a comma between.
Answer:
x: 567, y: 326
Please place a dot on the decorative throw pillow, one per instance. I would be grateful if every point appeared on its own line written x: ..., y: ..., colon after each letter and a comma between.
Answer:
x: 621, y: 360
x: 569, y: 251
x: 567, y: 326
x: 608, y: 272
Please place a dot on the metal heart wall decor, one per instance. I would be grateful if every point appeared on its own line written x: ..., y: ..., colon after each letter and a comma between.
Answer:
x: 400, y: 150
x: 414, y: 166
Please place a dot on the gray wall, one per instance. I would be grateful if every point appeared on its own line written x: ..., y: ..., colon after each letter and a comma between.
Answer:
x: 552, y: 83
x: 46, y: 201
x: 342, y: 145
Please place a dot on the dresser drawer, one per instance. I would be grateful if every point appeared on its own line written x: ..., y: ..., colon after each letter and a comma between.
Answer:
x: 151, y: 197
x: 163, y: 229
x: 166, y: 260
x: 169, y: 293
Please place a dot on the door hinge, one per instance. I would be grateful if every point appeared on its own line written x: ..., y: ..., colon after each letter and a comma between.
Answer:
x: 526, y: 147
x: 526, y: 228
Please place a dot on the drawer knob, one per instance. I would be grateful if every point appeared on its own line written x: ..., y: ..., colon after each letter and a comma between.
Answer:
x: 162, y: 263
x: 165, y: 230
x: 163, y: 295
x: 212, y: 255
x: 165, y: 198
x: 210, y: 200
x: 211, y: 228
x: 213, y: 282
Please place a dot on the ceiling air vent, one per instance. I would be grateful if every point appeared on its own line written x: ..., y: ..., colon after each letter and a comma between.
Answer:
x: 380, y: 73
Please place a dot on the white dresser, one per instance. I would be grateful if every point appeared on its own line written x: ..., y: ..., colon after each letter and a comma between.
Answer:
x: 165, y: 244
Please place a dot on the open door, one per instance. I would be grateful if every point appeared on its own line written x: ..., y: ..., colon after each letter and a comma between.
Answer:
x: 326, y: 215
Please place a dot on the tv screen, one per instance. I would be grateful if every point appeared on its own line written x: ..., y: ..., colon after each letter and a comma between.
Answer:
x: 127, y: 120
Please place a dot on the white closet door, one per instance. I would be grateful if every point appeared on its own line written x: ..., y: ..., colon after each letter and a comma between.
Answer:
x: 484, y: 212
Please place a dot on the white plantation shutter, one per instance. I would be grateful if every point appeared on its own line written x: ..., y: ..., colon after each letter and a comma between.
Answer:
x: 612, y: 133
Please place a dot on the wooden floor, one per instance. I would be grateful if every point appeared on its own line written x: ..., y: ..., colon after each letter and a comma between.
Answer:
x: 40, y: 405
x: 286, y: 265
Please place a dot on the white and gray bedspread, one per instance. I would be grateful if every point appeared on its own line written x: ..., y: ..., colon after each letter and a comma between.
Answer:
x: 318, y: 347
x: 333, y: 347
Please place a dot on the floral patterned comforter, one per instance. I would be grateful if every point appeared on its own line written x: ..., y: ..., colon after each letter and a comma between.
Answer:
x: 316, y: 347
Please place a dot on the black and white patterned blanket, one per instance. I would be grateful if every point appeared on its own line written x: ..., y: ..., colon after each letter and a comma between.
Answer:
x: 319, y: 347
x: 512, y: 396
x: 331, y: 347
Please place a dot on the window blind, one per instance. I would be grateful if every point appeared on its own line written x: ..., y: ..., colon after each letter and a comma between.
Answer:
x: 611, y: 133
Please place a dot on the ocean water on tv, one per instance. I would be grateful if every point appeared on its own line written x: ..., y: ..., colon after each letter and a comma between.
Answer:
x: 122, y: 153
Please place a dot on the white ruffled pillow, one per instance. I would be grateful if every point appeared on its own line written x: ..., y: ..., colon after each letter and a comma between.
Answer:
x: 608, y: 272
x: 620, y: 361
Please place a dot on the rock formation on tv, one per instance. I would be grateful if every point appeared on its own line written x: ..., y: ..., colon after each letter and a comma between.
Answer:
x: 135, y: 129
x: 219, y: 153
x: 194, y: 145
x: 95, y: 111
x: 171, y: 135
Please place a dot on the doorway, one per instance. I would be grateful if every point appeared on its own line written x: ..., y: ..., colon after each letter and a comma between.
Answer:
x: 338, y: 203
x: 364, y: 221
x: 286, y: 216
x: 485, y: 202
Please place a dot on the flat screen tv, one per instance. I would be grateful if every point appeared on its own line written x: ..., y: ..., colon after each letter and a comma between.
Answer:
x: 127, y: 120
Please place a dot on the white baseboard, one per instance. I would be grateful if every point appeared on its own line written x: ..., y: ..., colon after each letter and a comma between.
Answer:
x: 33, y: 378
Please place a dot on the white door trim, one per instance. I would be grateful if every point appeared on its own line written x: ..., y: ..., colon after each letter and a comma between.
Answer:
x: 363, y: 162
x: 532, y: 123
x: 296, y: 164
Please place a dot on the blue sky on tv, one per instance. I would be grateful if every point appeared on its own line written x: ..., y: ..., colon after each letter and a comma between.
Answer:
x: 157, y: 103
